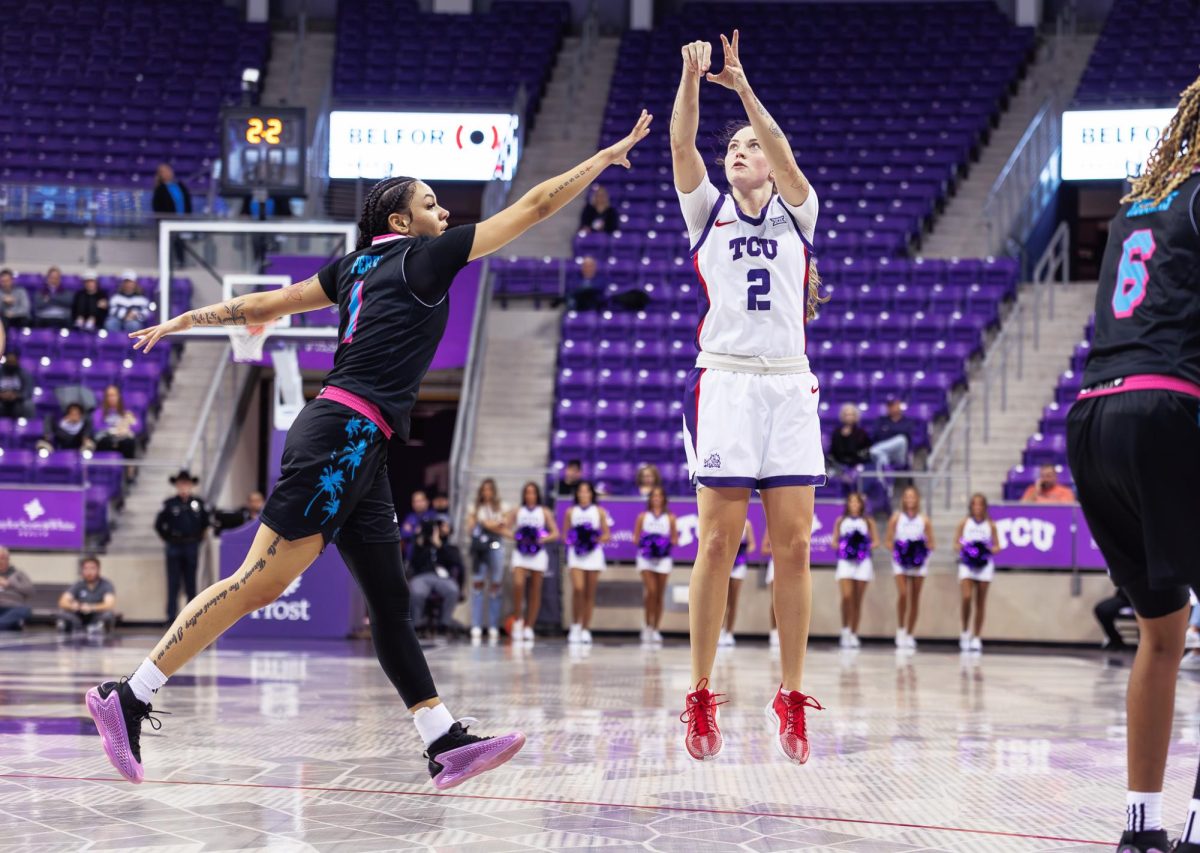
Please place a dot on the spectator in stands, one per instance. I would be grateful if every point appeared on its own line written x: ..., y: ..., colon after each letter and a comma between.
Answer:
x: 90, y: 603
x: 427, y: 577
x: 14, y: 301
x: 571, y: 476
x: 598, y: 214
x: 849, y: 446
x: 420, y: 514
x: 1047, y: 489
x: 181, y: 524
x: 648, y: 479
x: 16, y: 388
x: 54, y: 305
x: 171, y: 197
x: 73, y: 431
x: 16, y: 589
x: 448, y: 554
x: 90, y: 307
x: 892, y: 437
x: 231, y: 519
x: 584, y: 293
x: 113, y: 426
x: 1107, y: 612
x: 129, y: 308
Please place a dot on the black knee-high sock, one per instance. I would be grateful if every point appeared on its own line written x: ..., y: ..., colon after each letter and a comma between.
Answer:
x: 379, y: 571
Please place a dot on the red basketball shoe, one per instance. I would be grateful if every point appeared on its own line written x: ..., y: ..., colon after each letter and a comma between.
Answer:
x: 703, y: 739
x: 785, y: 715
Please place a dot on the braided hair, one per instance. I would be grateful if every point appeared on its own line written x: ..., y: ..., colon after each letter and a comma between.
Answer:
x: 815, y: 299
x: 1175, y: 156
x: 389, y: 196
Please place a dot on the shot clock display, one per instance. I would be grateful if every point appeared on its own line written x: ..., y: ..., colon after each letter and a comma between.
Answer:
x: 263, y: 148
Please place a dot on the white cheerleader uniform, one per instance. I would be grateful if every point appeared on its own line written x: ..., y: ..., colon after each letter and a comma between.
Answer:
x: 738, y: 572
x: 593, y: 561
x: 539, y: 562
x: 977, y: 531
x: 910, y: 528
x: 770, y: 571
x: 660, y: 524
x: 751, y: 408
x: 846, y: 570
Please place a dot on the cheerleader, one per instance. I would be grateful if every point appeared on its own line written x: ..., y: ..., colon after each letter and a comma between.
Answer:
x: 910, y: 540
x: 773, y: 636
x: 655, y: 533
x: 978, y: 541
x: 533, y: 527
x: 855, y: 534
x: 586, y: 526
x: 736, y: 576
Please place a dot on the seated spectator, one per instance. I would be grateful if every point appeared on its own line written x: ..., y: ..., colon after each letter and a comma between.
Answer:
x: 170, y: 195
x: 16, y: 388
x: 892, y: 437
x: 90, y: 307
x: 16, y: 589
x: 72, y: 431
x: 850, y: 446
x: 448, y: 554
x: 65, y: 395
x: 1047, y: 489
x: 230, y: 519
x: 91, y: 602
x: 572, y: 475
x: 14, y: 301
x: 428, y: 577
x: 584, y: 293
x: 113, y: 426
x: 129, y: 308
x: 598, y: 214
x: 1107, y: 612
x: 53, y: 305
x: 648, y: 478
x: 411, y: 526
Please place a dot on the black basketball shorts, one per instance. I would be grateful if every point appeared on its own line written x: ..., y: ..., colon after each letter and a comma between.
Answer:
x: 333, y: 479
x: 1135, y: 457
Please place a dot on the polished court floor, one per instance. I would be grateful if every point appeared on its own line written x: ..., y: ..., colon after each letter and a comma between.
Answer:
x: 309, y: 749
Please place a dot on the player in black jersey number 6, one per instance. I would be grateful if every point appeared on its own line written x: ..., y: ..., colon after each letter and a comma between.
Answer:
x: 391, y: 298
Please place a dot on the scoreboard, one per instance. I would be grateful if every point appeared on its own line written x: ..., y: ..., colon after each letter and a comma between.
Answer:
x: 263, y: 148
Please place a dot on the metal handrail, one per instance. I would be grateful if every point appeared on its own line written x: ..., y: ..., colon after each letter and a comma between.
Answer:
x: 464, y: 425
x: 1028, y: 180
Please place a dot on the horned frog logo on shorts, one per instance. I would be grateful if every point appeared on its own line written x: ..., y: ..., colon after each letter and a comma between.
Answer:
x: 713, y: 461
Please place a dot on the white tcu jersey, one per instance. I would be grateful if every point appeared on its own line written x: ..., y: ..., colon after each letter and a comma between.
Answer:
x: 910, y: 528
x: 660, y: 524
x: 591, y: 516
x: 527, y: 517
x: 753, y: 274
x: 977, y: 531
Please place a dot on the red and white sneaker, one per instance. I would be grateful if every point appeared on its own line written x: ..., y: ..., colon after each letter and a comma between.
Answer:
x: 703, y: 739
x: 785, y: 715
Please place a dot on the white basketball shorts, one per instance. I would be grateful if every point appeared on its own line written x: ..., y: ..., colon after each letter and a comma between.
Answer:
x: 752, y: 430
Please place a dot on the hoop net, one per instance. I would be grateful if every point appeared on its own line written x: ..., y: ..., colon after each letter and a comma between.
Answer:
x: 248, y: 341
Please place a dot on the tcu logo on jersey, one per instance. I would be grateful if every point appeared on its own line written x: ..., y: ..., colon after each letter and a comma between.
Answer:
x: 754, y: 247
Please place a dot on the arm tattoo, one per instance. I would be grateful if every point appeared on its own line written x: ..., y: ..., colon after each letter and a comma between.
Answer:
x: 295, y: 292
x: 235, y: 315
x: 578, y: 175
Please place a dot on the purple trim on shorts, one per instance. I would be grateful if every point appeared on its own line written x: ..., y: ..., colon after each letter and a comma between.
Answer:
x: 712, y: 217
x: 364, y: 407
x: 1145, y: 382
x: 728, y: 482
x: 792, y: 480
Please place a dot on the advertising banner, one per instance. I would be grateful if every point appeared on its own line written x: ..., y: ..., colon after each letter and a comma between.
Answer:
x: 41, y: 519
x: 1034, y: 535
x: 1109, y: 145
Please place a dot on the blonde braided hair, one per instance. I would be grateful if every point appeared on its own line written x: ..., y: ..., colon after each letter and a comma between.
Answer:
x: 1176, y: 155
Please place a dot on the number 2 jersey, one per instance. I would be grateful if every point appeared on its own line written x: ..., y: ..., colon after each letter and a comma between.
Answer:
x: 752, y: 272
x: 1148, y: 301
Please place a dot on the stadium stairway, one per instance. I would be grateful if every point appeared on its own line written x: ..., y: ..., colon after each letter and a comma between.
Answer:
x: 1027, y: 397
x: 960, y: 231
x: 566, y: 133
x: 516, y: 404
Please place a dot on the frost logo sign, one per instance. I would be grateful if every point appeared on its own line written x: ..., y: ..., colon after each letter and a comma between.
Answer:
x: 285, y: 611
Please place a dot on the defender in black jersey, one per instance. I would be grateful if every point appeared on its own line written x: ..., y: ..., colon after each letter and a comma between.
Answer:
x: 391, y: 298
x: 1133, y: 441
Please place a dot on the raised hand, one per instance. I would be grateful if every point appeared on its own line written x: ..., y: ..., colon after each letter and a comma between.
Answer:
x: 145, y: 339
x: 697, y: 57
x: 732, y: 76
x: 618, y: 154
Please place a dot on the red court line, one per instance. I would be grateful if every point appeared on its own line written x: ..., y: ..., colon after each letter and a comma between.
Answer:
x: 558, y: 802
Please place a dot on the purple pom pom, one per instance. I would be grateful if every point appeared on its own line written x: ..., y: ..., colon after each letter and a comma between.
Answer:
x: 655, y: 546
x: 854, y: 547
x: 975, y: 555
x: 529, y: 539
x: 583, y: 538
x: 911, y: 553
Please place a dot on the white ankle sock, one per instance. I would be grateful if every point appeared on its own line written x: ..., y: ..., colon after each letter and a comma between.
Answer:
x: 1143, y: 812
x: 146, y: 680
x: 1191, y: 827
x: 433, y: 722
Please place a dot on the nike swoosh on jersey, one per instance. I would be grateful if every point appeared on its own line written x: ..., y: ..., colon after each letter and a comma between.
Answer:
x: 721, y: 224
x: 814, y: 389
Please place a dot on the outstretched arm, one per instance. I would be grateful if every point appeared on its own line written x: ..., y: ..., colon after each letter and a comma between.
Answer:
x: 253, y: 309
x: 549, y: 197
x: 686, y: 161
x: 789, y: 180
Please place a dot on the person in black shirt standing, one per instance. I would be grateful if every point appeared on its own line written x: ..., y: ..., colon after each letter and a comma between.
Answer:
x: 181, y: 524
x: 1133, y: 441
x: 391, y: 297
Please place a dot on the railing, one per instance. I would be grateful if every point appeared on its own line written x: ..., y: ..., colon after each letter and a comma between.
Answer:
x: 217, y: 421
x: 1028, y: 180
x: 1054, y: 265
x: 954, y: 439
x: 581, y: 67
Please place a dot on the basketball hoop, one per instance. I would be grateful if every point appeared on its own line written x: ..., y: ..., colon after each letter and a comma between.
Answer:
x: 248, y: 341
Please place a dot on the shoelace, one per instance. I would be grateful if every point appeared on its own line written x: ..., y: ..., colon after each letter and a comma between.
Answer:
x: 703, y: 713
x: 796, y: 703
